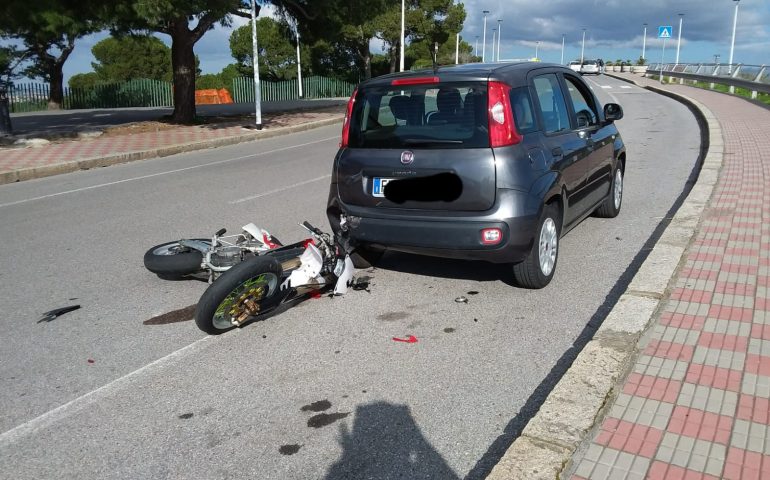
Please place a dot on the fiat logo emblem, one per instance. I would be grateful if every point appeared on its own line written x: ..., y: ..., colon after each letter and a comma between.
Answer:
x: 407, y: 157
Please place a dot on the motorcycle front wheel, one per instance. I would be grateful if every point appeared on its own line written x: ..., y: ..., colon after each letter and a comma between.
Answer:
x: 242, y: 293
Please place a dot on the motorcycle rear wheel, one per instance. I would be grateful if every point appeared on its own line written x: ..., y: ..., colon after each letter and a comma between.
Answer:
x: 244, y: 292
x: 171, y: 259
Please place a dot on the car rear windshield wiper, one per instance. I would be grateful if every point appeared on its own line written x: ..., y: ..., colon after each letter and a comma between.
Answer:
x: 429, y: 141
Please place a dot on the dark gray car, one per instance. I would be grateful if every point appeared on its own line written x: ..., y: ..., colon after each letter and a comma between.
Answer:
x: 479, y: 161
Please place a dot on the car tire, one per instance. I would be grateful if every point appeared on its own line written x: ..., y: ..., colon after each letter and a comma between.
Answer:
x: 537, y: 270
x: 610, y: 208
x: 365, y: 257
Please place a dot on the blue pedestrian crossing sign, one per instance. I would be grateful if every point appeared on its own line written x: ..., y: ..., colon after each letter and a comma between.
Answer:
x: 664, y: 31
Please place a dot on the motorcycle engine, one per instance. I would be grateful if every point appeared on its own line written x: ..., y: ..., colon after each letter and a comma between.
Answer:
x: 226, y: 257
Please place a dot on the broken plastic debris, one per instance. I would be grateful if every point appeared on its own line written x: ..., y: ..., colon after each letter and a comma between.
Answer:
x: 361, y: 283
x: 56, y: 312
x: 409, y: 339
x: 461, y: 300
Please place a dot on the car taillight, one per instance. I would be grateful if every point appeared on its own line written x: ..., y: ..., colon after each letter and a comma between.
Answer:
x: 346, y: 122
x: 414, y: 81
x: 502, y: 131
x: 491, y: 236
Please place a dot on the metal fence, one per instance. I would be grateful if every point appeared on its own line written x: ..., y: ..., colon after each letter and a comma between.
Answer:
x: 31, y: 97
x: 754, y: 78
x: 312, y: 87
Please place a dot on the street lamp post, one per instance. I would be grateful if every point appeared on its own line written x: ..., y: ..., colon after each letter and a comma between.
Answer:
x: 255, y: 64
x: 476, y: 50
x: 562, y: 48
x: 732, y: 43
x: 494, y: 39
x: 644, y: 42
x: 299, y: 66
x: 499, y: 36
x: 583, y: 48
x: 457, y: 49
x: 403, y: 14
x: 679, y: 42
x: 484, y: 40
x: 537, y: 47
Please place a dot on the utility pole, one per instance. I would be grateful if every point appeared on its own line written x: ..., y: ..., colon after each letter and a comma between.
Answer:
x: 255, y: 64
x: 499, y: 36
x: 562, y: 48
x: 537, y: 47
x: 476, y: 50
x: 583, y: 48
x: 494, y: 38
x: 484, y: 41
x: 299, y: 64
x: 644, y: 42
x: 732, y: 44
x: 679, y: 42
x: 457, y: 49
x: 403, y: 14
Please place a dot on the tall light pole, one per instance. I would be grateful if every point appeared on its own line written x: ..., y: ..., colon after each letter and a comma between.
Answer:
x: 679, y: 42
x: 583, y: 48
x: 299, y: 65
x: 457, y: 49
x: 644, y: 42
x: 562, y: 48
x: 499, y: 36
x: 403, y: 14
x: 537, y: 47
x: 476, y: 51
x: 494, y: 38
x: 484, y: 40
x: 255, y: 64
x: 732, y: 44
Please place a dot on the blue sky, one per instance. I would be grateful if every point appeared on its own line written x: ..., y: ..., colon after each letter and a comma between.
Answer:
x: 613, y: 31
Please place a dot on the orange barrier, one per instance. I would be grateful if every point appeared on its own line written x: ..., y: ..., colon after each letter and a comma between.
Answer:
x: 212, y: 97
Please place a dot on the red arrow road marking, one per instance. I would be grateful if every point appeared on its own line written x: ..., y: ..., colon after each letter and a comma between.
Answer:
x: 409, y: 339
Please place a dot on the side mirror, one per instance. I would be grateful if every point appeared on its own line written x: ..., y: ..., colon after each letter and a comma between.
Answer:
x: 612, y: 112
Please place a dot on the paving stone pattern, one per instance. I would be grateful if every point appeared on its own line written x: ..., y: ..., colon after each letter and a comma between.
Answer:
x: 697, y: 402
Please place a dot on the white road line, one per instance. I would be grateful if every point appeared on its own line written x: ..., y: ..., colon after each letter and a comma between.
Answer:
x: 277, y: 190
x: 606, y: 86
x: 76, y: 405
x: 625, y: 86
x: 218, y: 162
x: 613, y: 97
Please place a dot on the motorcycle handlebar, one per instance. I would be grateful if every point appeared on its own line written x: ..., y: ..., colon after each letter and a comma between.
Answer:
x: 307, y: 225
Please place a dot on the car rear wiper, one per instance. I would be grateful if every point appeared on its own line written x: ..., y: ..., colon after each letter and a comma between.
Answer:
x: 428, y: 141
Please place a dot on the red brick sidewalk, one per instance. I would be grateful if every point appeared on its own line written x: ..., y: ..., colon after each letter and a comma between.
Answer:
x: 697, y: 403
x: 69, y: 152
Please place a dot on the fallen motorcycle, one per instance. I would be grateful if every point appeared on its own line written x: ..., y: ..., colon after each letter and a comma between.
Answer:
x: 212, y: 257
x: 263, y: 275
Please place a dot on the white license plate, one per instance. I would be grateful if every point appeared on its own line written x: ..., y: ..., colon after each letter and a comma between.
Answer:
x: 378, y: 186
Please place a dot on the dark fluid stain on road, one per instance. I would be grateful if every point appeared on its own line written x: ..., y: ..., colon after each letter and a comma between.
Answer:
x: 392, y: 316
x: 449, y: 330
x: 174, y: 316
x: 186, y: 416
x: 473, y: 292
x: 324, y: 419
x: 318, y: 406
x: 289, y: 449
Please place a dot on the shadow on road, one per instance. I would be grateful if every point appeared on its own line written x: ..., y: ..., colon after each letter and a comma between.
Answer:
x: 446, y: 268
x: 386, y: 444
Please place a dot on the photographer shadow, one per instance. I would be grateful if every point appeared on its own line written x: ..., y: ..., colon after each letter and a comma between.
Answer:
x: 385, y: 443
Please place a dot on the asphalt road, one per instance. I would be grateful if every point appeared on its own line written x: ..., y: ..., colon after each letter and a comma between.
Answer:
x: 97, y: 393
x: 61, y: 121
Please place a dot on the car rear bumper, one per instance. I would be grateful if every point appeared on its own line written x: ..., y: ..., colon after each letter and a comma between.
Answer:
x: 448, y: 234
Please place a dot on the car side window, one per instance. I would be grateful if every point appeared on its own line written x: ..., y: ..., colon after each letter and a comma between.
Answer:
x: 553, y: 109
x: 583, y: 104
x: 523, y: 113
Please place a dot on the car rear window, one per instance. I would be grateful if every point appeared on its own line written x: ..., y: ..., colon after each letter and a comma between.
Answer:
x: 446, y: 115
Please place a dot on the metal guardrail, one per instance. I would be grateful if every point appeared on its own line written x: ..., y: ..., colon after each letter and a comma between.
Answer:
x: 755, y: 78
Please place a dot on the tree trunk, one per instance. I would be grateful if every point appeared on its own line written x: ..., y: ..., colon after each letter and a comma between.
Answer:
x: 394, y: 57
x: 183, y: 66
x: 366, y: 59
x: 56, y: 79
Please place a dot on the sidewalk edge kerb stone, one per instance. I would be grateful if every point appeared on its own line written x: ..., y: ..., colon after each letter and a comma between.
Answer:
x: 68, y: 167
x: 580, y: 399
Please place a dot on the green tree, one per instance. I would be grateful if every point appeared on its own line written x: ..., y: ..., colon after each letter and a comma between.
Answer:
x: 84, y: 80
x: 277, y: 50
x: 11, y: 59
x: 48, y: 30
x: 436, y: 21
x: 123, y: 58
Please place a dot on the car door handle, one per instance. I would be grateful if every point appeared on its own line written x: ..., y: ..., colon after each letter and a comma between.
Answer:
x: 557, y: 153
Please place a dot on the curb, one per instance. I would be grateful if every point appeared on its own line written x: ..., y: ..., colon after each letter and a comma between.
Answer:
x: 68, y: 167
x: 579, y: 401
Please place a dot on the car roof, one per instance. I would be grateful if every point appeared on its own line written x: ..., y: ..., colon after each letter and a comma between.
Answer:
x: 514, y: 72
